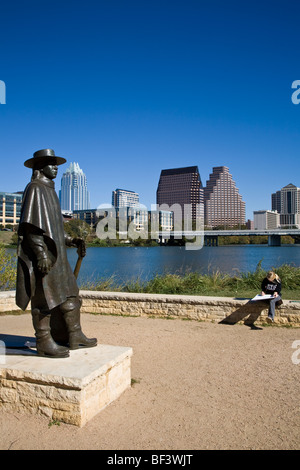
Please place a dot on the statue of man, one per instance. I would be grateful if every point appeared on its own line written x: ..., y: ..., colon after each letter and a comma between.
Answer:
x: 44, y: 275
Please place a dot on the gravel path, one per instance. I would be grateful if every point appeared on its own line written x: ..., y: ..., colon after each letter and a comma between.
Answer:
x: 196, y: 385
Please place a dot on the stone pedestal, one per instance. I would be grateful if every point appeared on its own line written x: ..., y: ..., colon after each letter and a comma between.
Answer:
x: 71, y: 390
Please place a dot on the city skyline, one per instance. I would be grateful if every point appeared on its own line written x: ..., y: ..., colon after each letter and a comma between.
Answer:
x: 146, y: 87
x: 121, y: 195
x: 108, y: 204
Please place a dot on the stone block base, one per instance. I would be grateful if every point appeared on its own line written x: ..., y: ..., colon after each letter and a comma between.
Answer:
x: 71, y: 390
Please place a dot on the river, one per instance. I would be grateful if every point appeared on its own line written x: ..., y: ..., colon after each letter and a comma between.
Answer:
x: 129, y: 263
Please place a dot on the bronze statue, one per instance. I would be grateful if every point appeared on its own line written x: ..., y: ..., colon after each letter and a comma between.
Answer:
x: 44, y: 275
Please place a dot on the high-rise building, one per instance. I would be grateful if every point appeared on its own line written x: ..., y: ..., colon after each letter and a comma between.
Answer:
x: 276, y: 201
x: 10, y: 208
x: 124, y: 198
x: 74, y: 194
x: 287, y: 203
x: 182, y: 188
x: 266, y: 220
x: 223, y: 205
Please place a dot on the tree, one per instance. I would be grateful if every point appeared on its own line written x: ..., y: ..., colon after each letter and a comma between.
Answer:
x: 78, y: 228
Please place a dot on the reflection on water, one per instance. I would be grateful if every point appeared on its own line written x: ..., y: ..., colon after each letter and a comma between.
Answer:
x: 144, y: 263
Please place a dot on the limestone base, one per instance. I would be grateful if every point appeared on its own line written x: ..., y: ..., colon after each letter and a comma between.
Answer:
x: 71, y: 390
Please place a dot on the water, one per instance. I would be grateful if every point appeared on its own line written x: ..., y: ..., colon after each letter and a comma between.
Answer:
x: 129, y: 263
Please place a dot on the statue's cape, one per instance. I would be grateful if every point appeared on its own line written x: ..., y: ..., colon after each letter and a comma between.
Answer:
x: 41, y: 210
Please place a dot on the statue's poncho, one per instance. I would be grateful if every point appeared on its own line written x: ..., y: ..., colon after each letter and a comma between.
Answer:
x: 41, y: 211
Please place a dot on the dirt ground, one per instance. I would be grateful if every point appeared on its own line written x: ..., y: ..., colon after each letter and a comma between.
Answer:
x: 196, y: 385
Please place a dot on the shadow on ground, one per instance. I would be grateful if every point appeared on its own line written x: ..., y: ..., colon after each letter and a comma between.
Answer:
x: 17, y: 345
x: 251, y: 309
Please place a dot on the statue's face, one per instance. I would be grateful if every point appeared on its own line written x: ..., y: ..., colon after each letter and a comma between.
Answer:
x: 50, y: 171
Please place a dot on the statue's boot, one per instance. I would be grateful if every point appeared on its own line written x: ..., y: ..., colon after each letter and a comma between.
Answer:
x: 45, y: 344
x: 58, y: 327
x: 71, y: 314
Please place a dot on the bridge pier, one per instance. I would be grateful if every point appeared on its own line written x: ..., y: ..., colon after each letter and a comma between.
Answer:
x: 274, y: 240
x: 210, y: 240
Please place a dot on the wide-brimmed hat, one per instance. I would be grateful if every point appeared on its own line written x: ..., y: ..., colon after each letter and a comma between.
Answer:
x: 44, y: 157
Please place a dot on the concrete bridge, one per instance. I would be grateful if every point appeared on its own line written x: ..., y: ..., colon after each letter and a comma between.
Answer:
x: 211, y: 236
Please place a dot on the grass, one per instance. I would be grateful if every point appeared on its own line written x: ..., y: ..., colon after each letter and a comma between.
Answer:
x: 216, y: 284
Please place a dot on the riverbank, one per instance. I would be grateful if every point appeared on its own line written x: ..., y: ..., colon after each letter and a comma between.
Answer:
x: 194, y: 283
x: 129, y: 268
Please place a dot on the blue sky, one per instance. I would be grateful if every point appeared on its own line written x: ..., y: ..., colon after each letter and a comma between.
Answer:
x: 127, y: 88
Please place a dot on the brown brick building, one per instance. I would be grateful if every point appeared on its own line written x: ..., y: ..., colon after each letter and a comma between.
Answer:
x: 223, y: 205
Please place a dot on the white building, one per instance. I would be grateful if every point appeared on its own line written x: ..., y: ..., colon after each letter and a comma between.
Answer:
x: 74, y: 194
x: 287, y: 203
x: 266, y: 220
x: 125, y: 198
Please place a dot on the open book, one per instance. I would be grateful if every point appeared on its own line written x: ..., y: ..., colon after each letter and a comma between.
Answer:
x: 263, y: 297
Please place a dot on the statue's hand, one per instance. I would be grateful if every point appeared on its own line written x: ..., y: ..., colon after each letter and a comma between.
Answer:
x: 44, y: 265
x: 81, y: 248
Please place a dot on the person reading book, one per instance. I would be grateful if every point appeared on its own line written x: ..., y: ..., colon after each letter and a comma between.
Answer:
x: 271, y: 285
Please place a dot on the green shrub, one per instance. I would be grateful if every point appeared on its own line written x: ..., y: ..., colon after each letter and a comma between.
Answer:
x: 8, y: 269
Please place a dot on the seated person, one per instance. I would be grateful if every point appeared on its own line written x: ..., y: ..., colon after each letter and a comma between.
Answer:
x: 272, y: 285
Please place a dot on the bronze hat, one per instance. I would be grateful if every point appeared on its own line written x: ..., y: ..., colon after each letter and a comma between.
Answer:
x: 44, y: 157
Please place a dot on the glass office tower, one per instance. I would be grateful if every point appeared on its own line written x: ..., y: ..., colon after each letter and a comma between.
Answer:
x: 74, y: 194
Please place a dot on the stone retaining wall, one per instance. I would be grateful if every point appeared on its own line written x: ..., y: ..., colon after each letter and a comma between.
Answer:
x: 226, y: 309
x: 183, y: 306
